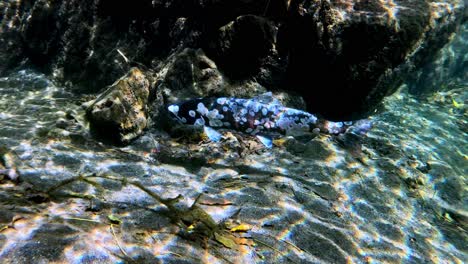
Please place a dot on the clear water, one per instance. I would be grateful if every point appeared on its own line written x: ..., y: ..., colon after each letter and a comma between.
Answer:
x: 397, y: 195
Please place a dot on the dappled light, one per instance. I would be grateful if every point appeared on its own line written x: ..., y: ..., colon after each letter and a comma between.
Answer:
x: 391, y: 195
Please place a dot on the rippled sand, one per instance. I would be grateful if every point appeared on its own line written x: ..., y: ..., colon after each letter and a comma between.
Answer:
x: 397, y: 195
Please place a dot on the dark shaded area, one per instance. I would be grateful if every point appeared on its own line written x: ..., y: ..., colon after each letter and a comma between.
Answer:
x: 347, y: 61
x: 342, y: 66
x: 239, y: 47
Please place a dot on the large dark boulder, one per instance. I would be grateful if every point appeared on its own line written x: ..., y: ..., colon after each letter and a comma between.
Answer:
x: 189, y: 74
x: 346, y: 56
x: 80, y: 42
x: 241, y: 46
x: 343, y: 57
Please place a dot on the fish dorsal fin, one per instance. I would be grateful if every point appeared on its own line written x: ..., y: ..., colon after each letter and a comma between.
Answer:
x: 267, y: 98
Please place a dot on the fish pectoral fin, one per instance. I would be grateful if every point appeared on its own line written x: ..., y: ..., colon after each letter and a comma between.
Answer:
x: 266, y: 141
x: 212, y: 134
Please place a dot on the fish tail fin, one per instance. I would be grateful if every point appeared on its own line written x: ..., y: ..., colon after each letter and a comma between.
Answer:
x: 361, y: 127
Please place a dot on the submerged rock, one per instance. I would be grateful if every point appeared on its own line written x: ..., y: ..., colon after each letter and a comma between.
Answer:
x: 120, y: 113
x: 358, y: 51
x: 361, y: 51
x: 314, y: 149
x: 241, y: 45
x: 190, y: 73
x: 447, y: 71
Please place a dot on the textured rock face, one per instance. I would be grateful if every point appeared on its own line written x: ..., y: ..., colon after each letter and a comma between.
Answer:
x: 10, y: 36
x: 190, y: 74
x: 241, y: 45
x: 119, y: 114
x: 343, y: 57
x: 447, y: 71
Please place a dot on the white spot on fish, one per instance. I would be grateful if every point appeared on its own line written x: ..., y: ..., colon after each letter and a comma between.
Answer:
x: 313, y: 119
x: 334, y: 127
x: 213, y: 114
x: 173, y: 109
x: 202, y: 109
x: 221, y: 100
x: 256, y: 107
x: 200, y: 122
x: 216, y: 123
x: 225, y: 108
x: 192, y: 113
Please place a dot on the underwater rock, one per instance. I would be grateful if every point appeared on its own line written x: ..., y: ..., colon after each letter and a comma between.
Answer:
x: 447, y: 71
x: 41, y: 24
x: 361, y: 51
x: 190, y: 73
x: 120, y: 113
x: 223, y: 11
x: 10, y: 36
x: 240, y: 45
x: 314, y: 149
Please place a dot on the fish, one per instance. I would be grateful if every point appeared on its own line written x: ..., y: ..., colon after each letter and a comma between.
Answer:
x: 262, y: 116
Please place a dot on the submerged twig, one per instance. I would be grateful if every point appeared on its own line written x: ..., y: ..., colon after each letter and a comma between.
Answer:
x: 82, y: 219
x: 117, y: 241
x: 12, y: 223
x: 195, y: 222
x: 123, y: 56
x: 274, y: 249
x: 63, y: 183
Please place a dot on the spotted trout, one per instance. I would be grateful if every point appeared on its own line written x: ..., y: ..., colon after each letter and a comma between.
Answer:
x: 262, y: 116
